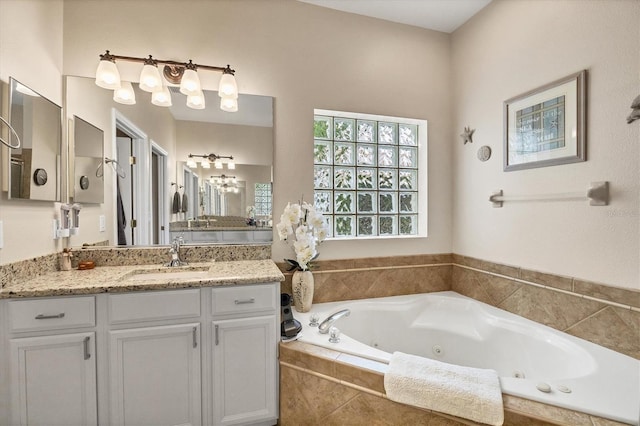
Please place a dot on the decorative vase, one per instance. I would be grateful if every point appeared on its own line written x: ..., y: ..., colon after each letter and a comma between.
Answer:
x: 302, y: 289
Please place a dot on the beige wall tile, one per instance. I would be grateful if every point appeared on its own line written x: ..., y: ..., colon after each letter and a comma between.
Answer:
x: 612, y: 327
x: 614, y: 294
x: 557, y: 281
x: 494, y: 289
x: 311, y: 357
x: 552, y: 308
x: 510, y: 271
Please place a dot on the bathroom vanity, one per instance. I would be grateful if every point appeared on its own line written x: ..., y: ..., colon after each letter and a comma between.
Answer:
x: 143, y: 345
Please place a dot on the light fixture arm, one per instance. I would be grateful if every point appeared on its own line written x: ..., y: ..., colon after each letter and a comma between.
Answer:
x: 109, y: 57
x: 211, y: 157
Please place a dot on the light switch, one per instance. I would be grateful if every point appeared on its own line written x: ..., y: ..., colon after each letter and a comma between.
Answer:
x: 103, y: 223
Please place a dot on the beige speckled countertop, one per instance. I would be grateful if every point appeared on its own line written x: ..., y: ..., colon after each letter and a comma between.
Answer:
x: 118, y: 279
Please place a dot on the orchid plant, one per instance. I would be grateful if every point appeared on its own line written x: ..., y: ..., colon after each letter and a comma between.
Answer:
x: 306, y: 228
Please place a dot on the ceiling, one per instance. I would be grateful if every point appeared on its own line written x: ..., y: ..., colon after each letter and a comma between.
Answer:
x: 439, y: 15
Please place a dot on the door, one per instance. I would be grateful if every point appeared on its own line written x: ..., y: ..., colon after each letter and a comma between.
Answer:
x: 125, y: 188
x: 155, y: 375
x: 244, y: 370
x: 53, y: 380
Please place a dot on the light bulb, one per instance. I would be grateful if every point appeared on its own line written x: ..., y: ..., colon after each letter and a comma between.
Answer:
x: 196, y: 101
x: 107, y: 74
x: 229, y: 104
x: 190, y: 83
x: 231, y: 165
x: 228, y: 87
x: 191, y: 163
x: 161, y: 97
x: 150, y: 80
x: 125, y: 94
x: 217, y: 164
x: 205, y: 163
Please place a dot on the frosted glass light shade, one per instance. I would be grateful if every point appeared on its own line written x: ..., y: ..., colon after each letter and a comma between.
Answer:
x: 229, y: 104
x: 150, y: 80
x: 107, y: 75
x: 205, y: 164
x: 125, y: 94
x: 191, y: 163
x: 190, y: 83
x: 196, y: 101
x: 217, y: 164
x: 231, y: 165
x: 228, y: 87
x: 161, y: 97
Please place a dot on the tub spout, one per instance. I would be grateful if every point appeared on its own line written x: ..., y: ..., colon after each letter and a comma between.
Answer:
x: 327, y: 323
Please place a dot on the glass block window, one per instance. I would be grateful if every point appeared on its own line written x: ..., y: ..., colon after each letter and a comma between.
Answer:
x: 366, y: 174
x: 263, y: 199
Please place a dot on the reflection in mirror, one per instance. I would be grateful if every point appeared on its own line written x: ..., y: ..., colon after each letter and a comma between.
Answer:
x: 176, y: 132
x: 35, y: 166
x: 88, y: 162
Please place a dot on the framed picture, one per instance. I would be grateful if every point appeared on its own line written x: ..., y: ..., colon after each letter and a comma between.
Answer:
x: 546, y: 126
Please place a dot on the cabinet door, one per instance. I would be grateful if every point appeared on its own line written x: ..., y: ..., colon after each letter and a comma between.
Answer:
x: 155, y: 375
x: 244, y: 370
x: 53, y: 380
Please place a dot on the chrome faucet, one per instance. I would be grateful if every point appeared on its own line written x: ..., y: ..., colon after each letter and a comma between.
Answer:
x: 327, y: 323
x: 174, y: 251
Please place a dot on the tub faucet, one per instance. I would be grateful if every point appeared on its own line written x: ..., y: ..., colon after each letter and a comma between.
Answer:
x: 174, y: 251
x: 327, y: 323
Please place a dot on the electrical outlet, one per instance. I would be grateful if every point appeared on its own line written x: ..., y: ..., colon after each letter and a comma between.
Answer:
x: 103, y: 223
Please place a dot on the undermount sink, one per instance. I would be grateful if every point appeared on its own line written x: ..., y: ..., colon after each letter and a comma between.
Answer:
x: 169, y: 273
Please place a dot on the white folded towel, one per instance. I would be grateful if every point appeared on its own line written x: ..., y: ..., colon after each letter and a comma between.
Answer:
x: 466, y: 392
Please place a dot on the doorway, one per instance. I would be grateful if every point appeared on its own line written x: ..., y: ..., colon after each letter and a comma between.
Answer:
x: 141, y: 195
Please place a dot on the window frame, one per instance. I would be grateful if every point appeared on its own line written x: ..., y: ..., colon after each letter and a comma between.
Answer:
x: 422, y: 174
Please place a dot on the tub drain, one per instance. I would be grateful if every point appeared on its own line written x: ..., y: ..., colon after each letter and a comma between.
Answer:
x: 437, y: 350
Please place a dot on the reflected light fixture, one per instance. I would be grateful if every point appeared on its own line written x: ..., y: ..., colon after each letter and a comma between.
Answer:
x: 184, y: 74
x: 225, y: 183
x: 208, y: 159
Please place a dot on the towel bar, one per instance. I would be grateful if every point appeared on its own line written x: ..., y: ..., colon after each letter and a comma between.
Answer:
x: 597, y: 194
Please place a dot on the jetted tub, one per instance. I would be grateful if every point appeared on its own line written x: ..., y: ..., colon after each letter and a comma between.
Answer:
x: 452, y: 328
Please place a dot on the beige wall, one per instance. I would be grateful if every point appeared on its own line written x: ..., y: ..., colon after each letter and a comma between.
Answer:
x: 514, y: 46
x: 305, y: 57
x: 30, y: 51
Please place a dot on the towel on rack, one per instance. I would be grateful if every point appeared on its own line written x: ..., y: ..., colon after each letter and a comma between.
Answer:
x: 185, y: 203
x: 466, y: 392
x: 175, y: 207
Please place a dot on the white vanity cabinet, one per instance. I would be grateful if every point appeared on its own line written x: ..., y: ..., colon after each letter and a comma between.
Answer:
x: 194, y: 356
x: 244, y: 355
x: 154, y: 371
x: 52, y: 372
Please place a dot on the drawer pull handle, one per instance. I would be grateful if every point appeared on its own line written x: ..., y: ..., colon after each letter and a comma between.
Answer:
x: 195, y: 337
x: 43, y: 316
x: 87, y: 355
x: 246, y: 301
x: 216, y: 329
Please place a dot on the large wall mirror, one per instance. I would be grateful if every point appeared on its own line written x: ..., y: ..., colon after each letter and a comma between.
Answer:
x: 35, y: 166
x: 170, y: 197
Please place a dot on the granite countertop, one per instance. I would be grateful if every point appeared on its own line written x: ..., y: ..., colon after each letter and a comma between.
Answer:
x: 118, y: 279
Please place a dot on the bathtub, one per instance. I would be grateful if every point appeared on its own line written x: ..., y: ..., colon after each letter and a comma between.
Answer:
x: 452, y: 328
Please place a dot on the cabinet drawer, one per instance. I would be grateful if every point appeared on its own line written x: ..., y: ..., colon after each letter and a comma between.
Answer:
x: 160, y: 305
x: 52, y: 313
x: 239, y: 299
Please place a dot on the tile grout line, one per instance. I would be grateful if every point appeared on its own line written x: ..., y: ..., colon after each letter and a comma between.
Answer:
x: 559, y: 290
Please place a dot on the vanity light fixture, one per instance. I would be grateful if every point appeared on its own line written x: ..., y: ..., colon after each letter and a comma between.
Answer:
x: 225, y: 183
x: 125, y: 94
x: 210, y: 158
x: 184, y: 74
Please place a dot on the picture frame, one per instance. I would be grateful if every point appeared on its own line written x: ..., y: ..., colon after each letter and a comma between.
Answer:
x: 546, y: 126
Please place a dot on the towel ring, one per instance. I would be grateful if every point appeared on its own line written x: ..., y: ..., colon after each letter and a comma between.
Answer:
x: 5, y: 143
